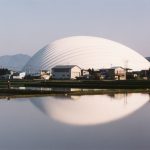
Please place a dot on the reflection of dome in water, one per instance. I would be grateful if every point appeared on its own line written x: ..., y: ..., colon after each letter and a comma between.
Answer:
x: 86, y: 52
x: 89, y: 110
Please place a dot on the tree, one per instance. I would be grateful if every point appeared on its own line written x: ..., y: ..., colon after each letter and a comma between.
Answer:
x: 4, y: 71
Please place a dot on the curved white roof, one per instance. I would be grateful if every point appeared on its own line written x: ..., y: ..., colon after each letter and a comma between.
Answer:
x: 86, y: 52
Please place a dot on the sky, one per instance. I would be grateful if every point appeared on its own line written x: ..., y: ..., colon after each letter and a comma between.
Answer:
x: 28, y: 25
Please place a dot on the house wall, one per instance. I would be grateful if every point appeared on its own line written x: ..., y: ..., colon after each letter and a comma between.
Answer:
x: 20, y: 76
x: 75, y: 72
x: 120, y: 74
x: 66, y: 73
x: 113, y: 74
x: 61, y: 74
x: 45, y: 74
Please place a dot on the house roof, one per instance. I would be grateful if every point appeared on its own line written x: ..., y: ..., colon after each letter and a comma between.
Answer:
x: 120, y: 67
x: 65, y: 66
x: 115, y: 67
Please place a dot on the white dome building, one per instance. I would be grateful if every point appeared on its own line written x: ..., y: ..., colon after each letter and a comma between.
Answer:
x: 86, y: 52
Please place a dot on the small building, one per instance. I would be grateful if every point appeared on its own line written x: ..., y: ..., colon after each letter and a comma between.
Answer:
x: 66, y: 72
x: 119, y: 73
x: 45, y: 74
x: 5, y: 77
x: 18, y: 75
x: 145, y: 74
x: 5, y: 74
x: 114, y: 73
x: 39, y: 75
x: 84, y: 75
x: 84, y: 72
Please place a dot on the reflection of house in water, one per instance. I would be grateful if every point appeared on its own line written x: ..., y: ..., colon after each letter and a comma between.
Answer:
x: 68, y: 97
x: 118, y: 96
x: 65, y: 89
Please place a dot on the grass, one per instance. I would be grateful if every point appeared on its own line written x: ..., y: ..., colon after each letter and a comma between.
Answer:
x: 110, y: 84
x: 105, y: 87
x: 126, y: 84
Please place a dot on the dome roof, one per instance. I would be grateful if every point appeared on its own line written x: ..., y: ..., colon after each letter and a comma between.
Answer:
x: 86, y: 52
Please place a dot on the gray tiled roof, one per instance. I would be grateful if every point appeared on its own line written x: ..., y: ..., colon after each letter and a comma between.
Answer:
x: 65, y: 66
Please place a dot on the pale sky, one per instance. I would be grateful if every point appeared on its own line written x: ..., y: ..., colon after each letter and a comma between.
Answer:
x: 28, y: 25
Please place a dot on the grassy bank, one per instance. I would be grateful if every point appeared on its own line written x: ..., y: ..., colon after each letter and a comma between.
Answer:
x: 105, y: 87
x: 126, y: 84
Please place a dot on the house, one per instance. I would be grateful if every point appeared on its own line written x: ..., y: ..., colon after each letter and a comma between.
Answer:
x: 5, y: 74
x: 119, y: 73
x: 145, y: 74
x: 45, y: 74
x: 18, y: 75
x: 66, y: 72
x: 84, y: 72
x: 114, y: 73
x: 84, y: 75
x: 40, y: 75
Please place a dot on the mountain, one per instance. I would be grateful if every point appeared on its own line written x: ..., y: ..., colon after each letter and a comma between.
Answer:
x: 148, y: 58
x: 14, y: 62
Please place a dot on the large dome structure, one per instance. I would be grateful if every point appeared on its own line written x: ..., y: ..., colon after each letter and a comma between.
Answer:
x: 86, y: 52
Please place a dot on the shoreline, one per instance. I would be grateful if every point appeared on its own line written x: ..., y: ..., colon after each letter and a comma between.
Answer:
x: 37, y: 88
x: 15, y: 93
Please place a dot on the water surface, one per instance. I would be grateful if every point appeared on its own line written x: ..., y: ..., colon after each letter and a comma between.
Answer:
x: 95, y: 122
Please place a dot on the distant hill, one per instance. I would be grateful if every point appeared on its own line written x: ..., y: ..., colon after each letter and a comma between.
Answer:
x: 148, y: 58
x: 14, y: 62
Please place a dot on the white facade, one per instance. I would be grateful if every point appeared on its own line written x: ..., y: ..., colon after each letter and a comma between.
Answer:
x: 120, y: 73
x: 86, y: 52
x: 45, y: 74
x: 66, y: 72
x: 114, y: 73
x: 19, y: 76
